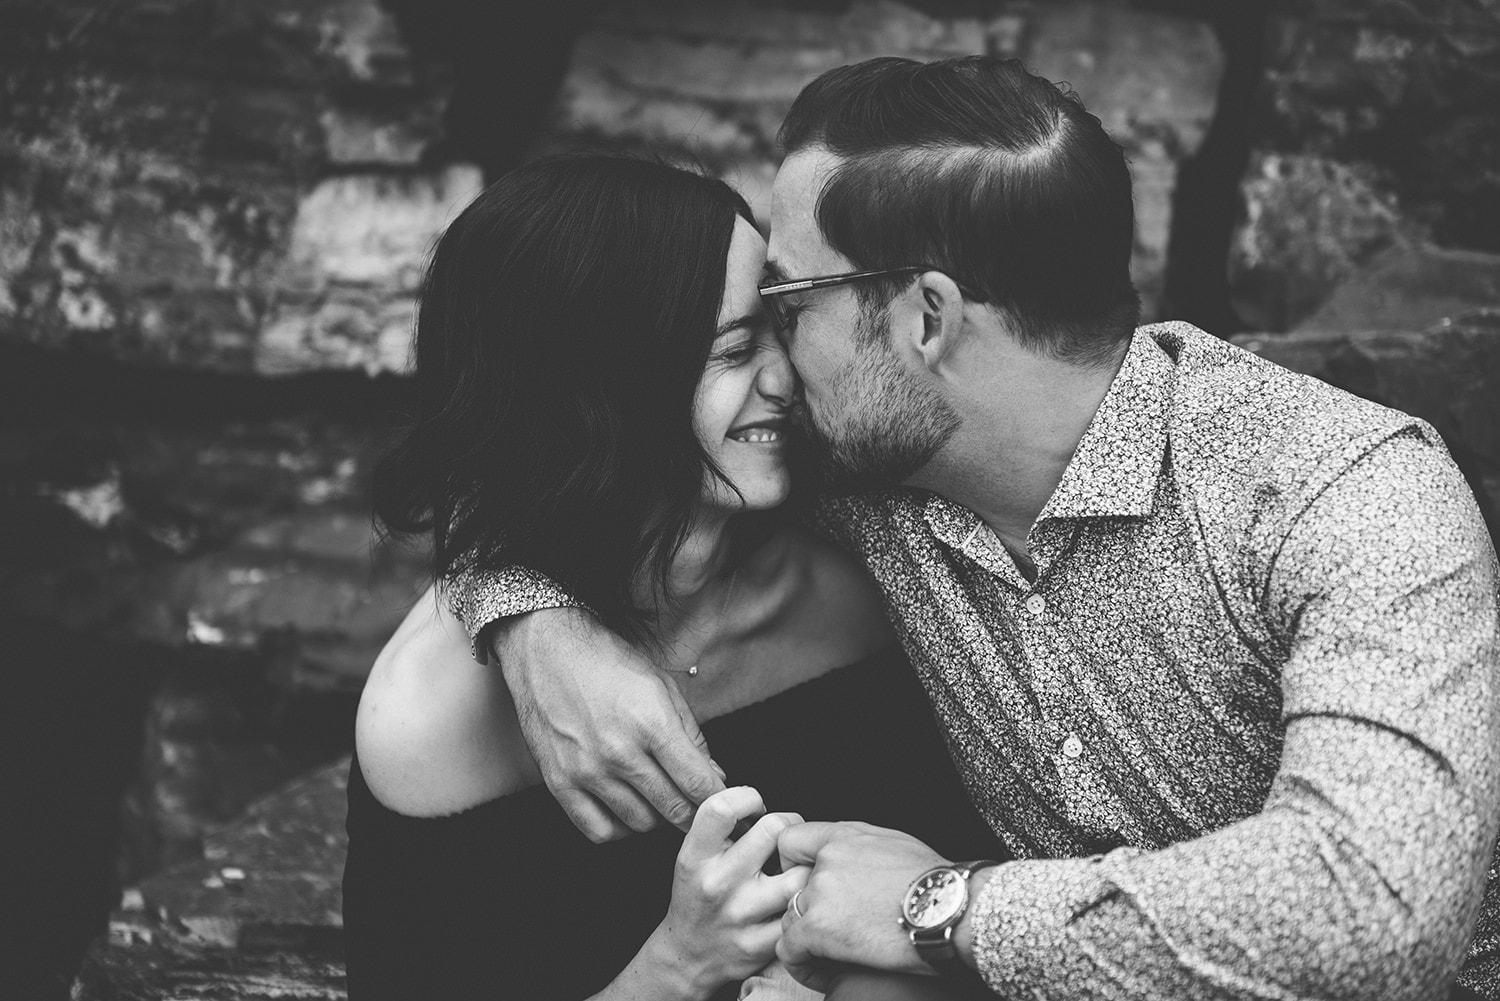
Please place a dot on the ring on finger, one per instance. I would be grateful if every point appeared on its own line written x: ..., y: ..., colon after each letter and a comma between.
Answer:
x: 795, y: 905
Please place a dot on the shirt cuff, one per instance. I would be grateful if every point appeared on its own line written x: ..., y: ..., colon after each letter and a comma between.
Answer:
x: 1025, y: 940
x: 481, y: 598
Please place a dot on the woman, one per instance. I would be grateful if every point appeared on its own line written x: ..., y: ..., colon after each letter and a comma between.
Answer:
x: 601, y: 398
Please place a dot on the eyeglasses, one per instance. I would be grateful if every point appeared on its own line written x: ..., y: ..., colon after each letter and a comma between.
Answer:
x: 781, y: 313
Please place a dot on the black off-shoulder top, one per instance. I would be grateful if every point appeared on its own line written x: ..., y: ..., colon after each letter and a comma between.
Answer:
x: 509, y: 900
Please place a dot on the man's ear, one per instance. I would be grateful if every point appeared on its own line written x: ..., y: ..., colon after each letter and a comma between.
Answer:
x: 941, y: 305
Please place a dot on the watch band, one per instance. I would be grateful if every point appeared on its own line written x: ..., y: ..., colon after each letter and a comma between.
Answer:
x: 936, y: 945
x: 942, y: 955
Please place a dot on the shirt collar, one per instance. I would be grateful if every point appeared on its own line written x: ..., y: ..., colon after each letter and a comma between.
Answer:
x: 1116, y: 467
x: 1118, y: 462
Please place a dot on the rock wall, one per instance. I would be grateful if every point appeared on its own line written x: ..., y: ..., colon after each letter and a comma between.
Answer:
x: 713, y: 81
x: 226, y: 186
x: 252, y: 187
x: 1375, y: 127
x: 1371, y: 212
x: 255, y: 916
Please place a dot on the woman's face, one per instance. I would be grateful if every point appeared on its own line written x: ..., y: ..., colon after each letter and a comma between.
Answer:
x: 740, y: 413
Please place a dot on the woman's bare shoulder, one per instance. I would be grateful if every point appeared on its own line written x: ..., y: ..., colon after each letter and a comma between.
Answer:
x: 436, y: 732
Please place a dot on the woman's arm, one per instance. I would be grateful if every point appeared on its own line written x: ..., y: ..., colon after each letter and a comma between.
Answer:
x: 436, y: 732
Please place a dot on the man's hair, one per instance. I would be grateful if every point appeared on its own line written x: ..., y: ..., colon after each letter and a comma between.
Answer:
x: 987, y: 172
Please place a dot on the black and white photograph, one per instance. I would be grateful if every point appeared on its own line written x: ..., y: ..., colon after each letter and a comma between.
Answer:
x: 750, y: 500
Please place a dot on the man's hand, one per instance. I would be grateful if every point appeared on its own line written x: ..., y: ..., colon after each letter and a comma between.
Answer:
x: 852, y: 902
x: 613, y: 737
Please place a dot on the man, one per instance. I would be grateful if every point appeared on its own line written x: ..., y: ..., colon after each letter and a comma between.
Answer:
x: 1214, y: 644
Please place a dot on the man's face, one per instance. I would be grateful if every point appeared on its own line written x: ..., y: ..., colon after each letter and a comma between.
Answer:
x: 870, y: 418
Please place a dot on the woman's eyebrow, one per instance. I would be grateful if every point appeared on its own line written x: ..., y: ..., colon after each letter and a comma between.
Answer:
x: 747, y: 320
x: 774, y: 272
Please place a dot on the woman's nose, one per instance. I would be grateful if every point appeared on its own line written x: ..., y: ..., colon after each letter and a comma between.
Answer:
x: 777, y: 380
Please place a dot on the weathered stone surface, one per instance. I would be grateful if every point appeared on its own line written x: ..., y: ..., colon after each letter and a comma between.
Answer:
x: 261, y: 282
x: 372, y: 230
x: 313, y: 590
x: 1419, y: 331
x: 356, y: 136
x: 345, y: 295
x: 259, y: 915
x: 714, y: 81
x: 218, y: 735
x: 137, y: 260
x: 159, y: 165
x: 1409, y: 86
x: 241, y: 538
x: 1150, y: 78
x: 1311, y: 224
x: 1412, y: 288
x: 235, y: 564
x: 1378, y: 114
x: 190, y: 184
x: 338, y: 327
x: 161, y: 966
x: 285, y: 858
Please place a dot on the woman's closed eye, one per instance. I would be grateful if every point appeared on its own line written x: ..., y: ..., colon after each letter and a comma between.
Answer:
x: 744, y: 349
x: 739, y: 354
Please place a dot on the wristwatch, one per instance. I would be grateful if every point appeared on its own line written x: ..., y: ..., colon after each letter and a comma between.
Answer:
x: 933, y: 906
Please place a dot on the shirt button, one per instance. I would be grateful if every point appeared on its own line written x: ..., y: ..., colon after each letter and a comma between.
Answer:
x: 1072, y: 747
x: 1036, y: 604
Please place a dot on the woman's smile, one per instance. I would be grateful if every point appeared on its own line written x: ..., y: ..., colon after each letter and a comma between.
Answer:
x: 767, y: 432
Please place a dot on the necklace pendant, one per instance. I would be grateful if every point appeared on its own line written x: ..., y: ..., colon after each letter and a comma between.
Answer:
x: 693, y: 671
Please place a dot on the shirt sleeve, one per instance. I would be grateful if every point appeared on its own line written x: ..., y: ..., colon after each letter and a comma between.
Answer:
x: 860, y: 523
x: 480, y: 598
x: 1362, y: 875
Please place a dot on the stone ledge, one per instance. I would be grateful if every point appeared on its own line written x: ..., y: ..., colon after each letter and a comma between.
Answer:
x: 1419, y: 331
x: 242, y: 538
x: 260, y: 915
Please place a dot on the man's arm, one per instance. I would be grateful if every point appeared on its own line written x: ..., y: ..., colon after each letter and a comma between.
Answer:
x: 483, y: 599
x: 613, y: 737
x: 616, y: 742
x: 1362, y: 874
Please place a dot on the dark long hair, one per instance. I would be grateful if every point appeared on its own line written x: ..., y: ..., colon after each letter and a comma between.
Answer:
x: 566, y: 318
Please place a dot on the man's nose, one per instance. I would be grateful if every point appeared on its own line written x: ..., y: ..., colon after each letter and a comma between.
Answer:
x: 777, y: 379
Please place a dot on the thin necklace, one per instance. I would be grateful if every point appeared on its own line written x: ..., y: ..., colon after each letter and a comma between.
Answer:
x: 692, y: 670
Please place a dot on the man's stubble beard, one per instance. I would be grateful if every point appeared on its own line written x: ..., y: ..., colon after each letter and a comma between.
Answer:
x: 888, y: 425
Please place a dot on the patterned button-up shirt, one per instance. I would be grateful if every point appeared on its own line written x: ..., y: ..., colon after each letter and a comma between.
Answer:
x: 1242, y: 728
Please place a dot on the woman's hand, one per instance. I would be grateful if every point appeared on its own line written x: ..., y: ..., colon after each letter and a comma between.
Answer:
x: 725, y: 915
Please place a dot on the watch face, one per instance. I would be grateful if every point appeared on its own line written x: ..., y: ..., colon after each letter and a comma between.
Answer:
x: 935, y: 899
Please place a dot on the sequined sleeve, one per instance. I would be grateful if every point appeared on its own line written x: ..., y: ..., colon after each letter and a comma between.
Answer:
x: 1362, y: 874
x: 481, y: 598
